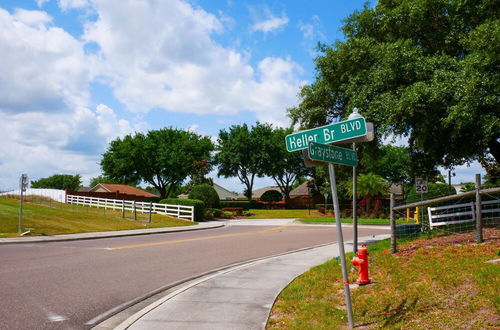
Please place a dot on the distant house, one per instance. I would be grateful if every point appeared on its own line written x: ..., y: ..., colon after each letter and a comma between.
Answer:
x: 397, y: 190
x: 84, y: 189
x: 120, y: 189
x: 301, y: 191
x: 224, y: 194
x: 257, y: 193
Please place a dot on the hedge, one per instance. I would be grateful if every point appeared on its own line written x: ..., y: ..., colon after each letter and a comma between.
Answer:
x: 199, y: 206
x: 152, y: 199
x: 205, y: 193
x: 246, y: 205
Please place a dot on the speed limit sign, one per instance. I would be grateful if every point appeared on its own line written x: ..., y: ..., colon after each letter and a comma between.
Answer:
x: 421, y: 185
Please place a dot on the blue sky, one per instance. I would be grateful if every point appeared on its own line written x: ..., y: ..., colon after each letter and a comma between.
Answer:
x: 76, y: 74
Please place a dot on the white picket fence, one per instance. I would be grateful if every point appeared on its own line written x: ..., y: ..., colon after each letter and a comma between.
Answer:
x: 461, y: 213
x: 179, y: 211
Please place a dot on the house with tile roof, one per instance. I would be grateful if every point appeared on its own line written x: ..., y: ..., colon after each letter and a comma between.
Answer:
x: 120, y: 189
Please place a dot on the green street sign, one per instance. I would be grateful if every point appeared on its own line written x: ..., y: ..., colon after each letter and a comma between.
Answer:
x: 332, y: 154
x: 341, y: 131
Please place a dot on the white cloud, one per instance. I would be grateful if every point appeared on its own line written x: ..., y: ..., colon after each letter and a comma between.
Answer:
x: 270, y: 24
x: 43, y: 69
x: 312, y: 33
x: 165, y: 58
x: 193, y: 128
x: 73, y: 4
x: 40, y: 3
x: 32, y: 17
x: 43, y: 144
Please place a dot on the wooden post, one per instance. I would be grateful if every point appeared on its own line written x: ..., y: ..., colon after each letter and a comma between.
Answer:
x: 479, y: 218
x: 135, y: 212
x: 150, y: 210
x: 123, y: 208
x: 393, y: 226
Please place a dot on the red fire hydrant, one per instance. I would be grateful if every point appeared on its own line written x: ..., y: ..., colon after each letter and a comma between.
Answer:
x: 362, y: 262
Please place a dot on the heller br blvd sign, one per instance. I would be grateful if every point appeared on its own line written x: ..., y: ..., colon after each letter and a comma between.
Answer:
x: 341, y: 131
x: 332, y: 154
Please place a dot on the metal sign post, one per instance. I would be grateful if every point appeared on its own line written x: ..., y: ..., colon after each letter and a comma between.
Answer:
x: 354, y: 204
x: 421, y: 187
x: 23, y: 184
x: 338, y: 224
x: 315, y: 153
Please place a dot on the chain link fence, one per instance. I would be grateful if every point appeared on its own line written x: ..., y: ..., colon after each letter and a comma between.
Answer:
x: 473, y: 215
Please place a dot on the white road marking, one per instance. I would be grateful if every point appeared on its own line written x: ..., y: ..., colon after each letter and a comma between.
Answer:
x: 56, y: 318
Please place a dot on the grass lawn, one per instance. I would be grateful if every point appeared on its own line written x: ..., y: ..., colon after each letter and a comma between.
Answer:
x: 427, y: 285
x: 69, y: 219
x: 305, y: 215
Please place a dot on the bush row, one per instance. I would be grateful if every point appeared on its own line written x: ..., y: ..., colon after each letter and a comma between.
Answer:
x: 246, y: 205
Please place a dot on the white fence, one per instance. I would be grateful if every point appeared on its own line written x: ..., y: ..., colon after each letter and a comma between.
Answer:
x: 461, y: 213
x: 179, y: 211
x: 55, y: 194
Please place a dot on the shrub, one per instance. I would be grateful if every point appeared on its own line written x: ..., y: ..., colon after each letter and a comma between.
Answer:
x: 211, y: 213
x: 199, y: 206
x: 227, y: 214
x: 205, y: 193
x: 435, y: 190
x: 327, y: 206
x: 271, y: 196
x: 152, y: 199
x: 245, y: 205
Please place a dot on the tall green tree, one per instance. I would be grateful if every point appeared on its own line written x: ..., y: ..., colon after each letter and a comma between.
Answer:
x: 243, y: 152
x: 105, y: 179
x: 163, y: 158
x: 370, y: 186
x: 59, y: 181
x: 282, y: 166
x: 424, y: 69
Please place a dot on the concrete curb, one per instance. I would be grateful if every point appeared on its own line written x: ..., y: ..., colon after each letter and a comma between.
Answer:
x: 107, y: 234
x: 194, y: 281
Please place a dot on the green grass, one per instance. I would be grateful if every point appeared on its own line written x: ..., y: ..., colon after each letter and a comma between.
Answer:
x: 68, y: 219
x: 304, y: 215
x: 291, y: 213
x: 435, y: 288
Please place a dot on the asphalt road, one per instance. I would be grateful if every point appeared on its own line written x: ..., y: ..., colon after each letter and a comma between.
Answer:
x: 68, y: 285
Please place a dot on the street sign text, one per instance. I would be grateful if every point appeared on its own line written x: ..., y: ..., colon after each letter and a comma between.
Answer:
x: 336, y: 132
x: 332, y: 154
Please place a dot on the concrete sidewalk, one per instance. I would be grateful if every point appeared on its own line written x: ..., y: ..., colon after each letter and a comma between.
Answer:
x: 237, y: 298
x: 107, y: 234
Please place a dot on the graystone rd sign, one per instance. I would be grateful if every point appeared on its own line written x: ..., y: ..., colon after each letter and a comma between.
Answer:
x: 341, y: 131
x: 332, y: 154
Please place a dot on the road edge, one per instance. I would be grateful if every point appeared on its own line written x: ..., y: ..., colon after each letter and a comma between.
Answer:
x: 181, y: 286
x: 107, y: 234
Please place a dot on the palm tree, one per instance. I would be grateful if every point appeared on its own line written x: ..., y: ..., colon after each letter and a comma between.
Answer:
x: 370, y: 186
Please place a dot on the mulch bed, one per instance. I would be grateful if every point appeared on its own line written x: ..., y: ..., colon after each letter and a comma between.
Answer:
x: 490, y: 236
